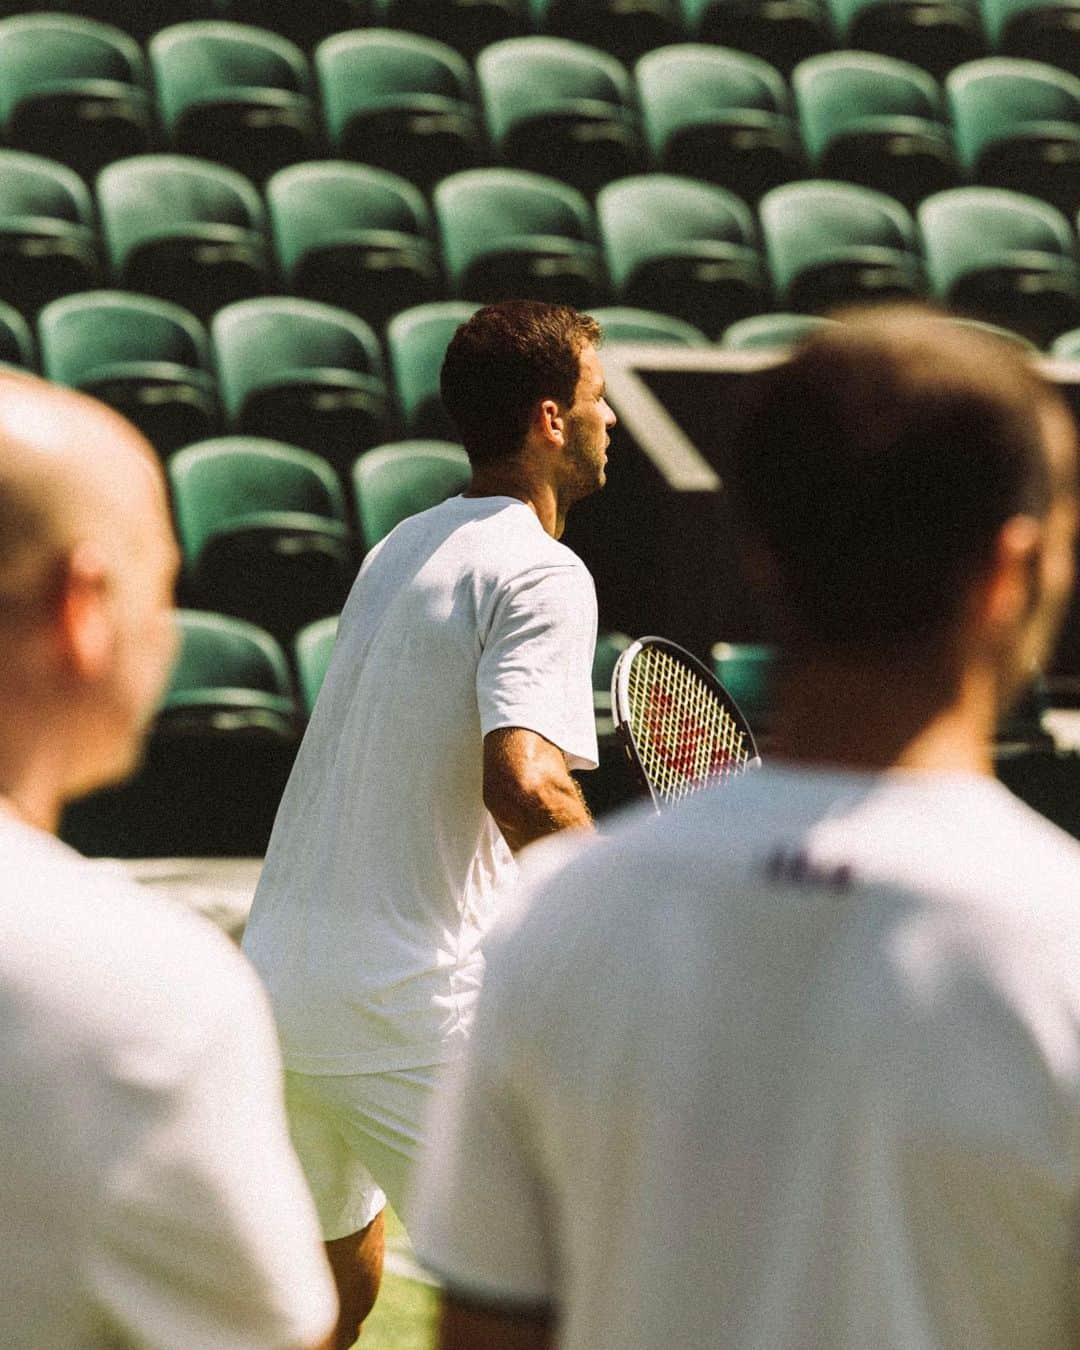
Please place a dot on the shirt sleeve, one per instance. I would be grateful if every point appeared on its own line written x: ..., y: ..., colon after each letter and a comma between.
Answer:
x: 208, y: 1238
x: 535, y: 670
x: 483, y: 1221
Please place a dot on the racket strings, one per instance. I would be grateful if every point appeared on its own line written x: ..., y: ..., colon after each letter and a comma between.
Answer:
x: 685, y: 737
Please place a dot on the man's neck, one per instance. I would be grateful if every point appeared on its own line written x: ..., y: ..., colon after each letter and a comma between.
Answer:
x: 511, y: 479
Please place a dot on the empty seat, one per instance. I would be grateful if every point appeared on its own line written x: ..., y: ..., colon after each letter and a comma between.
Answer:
x: 234, y: 94
x: 48, y: 244
x: 933, y: 34
x: 1018, y: 126
x: 416, y: 342
x: 398, y: 480
x: 508, y: 232
x: 782, y: 32
x: 871, y: 119
x: 306, y: 24
x: 73, y: 90
x: 399, y: 101
x: 610, y: 645
x: 1002, y: 257
x: 263, y: 531
x: 301, y: 372
x: 183, y: 229
x: 355, y: 236
x: 681, y: 247
x: 626, y: 28
x: 312, y: 650
x: 147, y: 358
x: 625, y: 323
x: 717, y: 114
x: 1040, y: 30
x: 832, y: 243
x: 557, y: 106
x: 16, y: 339
x: 769, y: 331
x: 140, y: 19
x: 217, y: 757
x: 467, y: 25
x: 1066, y: 346
x: 747, y: 670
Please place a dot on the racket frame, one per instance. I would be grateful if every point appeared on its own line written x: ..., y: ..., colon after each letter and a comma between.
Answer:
x: 620, y: 706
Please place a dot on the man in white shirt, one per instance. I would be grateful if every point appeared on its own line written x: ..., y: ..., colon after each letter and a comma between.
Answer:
x: 149, y: 1195
x: 456, y: 703
x: 797, y: 1067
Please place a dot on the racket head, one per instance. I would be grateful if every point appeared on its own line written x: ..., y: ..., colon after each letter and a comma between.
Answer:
x: 682, y: 731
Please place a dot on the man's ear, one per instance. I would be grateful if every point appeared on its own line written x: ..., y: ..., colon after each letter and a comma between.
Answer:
x: 549, y: 421
x: 1011, y: 589
x: 84, y: 622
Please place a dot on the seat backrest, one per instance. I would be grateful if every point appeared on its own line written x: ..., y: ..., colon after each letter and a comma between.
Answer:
x: 966, y: 227
x: 323, y: 201
x: 229, y: 478
x: 154, y: 196
x: 996, y: 98
x: 377, y: 67
x: 83, y: 334
x: 16, y: 339
x: 257, y: 341
x: 416, y: 342
x: 220, y: 652
x: 998, y: 14
x: 625, y: 323
x: 196, y: 62
x: 33, y: 186
x: 528, y: 76
x: 836, y: 92
x: 394, y: 481
x: 313, y: 647
x: 42, y: 52
x: 768, y: 331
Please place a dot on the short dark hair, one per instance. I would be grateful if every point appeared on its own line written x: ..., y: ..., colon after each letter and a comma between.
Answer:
x: 502, y: 361
x: 878, y: 465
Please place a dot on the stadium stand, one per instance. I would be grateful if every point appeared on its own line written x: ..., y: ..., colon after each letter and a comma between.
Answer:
x: 312, y: 649
x: 934, y: 34
x: 16, y: 339
x: 624, y: 323
x: 467, y: 25
x: 416, y: 341
x: 769, y: 331
x: 782, y: 34
x: 393, y: 481
x: 625, y: 28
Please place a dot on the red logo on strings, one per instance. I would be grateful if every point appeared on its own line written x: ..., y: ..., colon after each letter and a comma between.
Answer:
x: 691, y: 731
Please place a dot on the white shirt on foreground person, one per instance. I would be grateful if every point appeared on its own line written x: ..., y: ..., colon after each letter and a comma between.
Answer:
x: 148, y: 1192
x: 385, y: 870
x: 797, y: 1070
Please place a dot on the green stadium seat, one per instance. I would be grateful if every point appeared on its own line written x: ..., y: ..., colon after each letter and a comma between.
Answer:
x: 747, y: 670
x: 610, y: 645
x: 1018, y: 126
x: 467, y: 25
x: 416, y: 341
x: 183, y: 229
x: 1038, y: 30
x: 140, y: 19
x: 719, y: 115
x: 355, y: 236
x: 682, y: 247
x: 1002, y: 257
x: 557, y: 106
x: 394, y: 481
x: 48, y: 244
x: 508, y: 232
x: 766, y: 332
x: 234, y: 94
x: 1066, y: 346
x: 831, y: 243
x: 312, y: 650
x: 73, y: 90
x: 304, y: 373
x: 263, y: 531
x: 933, y: 34
x: 306, y: 23
x: 400, y: 102
x: 782, y: 32
x: 147, y: 358
x: 624, y: 323
x: 217, y: 758
x: 625, y: 28
x: 873, y: 120
x: 16, y: 339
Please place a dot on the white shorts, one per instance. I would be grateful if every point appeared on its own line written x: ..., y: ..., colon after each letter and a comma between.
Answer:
x: 358, y: 1138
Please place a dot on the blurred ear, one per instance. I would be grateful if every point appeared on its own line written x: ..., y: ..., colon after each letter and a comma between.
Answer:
x: 83, y: 618
x: 1011, y: 589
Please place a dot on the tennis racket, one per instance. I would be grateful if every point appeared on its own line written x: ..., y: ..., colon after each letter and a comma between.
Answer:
x: 681, y: 729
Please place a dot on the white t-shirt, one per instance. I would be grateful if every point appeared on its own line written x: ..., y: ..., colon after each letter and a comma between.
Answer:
x: 148, y: 1192
x: 794, y: 1068
x: 384, y: 869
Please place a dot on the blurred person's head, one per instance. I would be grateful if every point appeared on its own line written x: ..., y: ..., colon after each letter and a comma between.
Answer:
x: 907, y: 486
x: 88, y: 563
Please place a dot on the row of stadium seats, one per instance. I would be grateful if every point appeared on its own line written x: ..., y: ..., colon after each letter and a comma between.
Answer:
x: 935, y: 33
x: 80, y: 92
x: 195, y: 233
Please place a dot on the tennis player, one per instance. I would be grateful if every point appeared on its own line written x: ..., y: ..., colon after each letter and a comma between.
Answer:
x: 797, y: 1066
x: 456, y: 703
x: 149, y: 1195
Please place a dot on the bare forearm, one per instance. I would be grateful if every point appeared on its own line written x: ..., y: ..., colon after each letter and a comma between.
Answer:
x: 528, y: 815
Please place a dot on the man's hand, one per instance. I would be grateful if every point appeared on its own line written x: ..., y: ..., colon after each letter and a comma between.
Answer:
x: 528, y: 788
